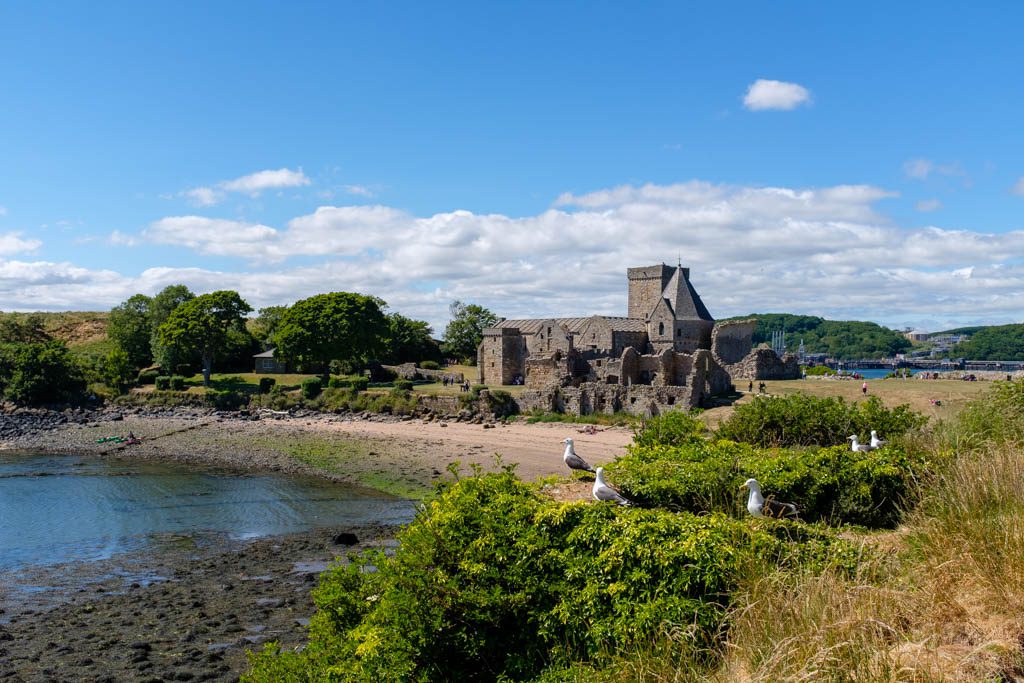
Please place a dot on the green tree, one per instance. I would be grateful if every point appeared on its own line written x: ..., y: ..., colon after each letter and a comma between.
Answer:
x: 131, y: 329
x: 23, y: 328
x: 265, y: 325
x: 160, y: 309
x: 202, y: 325
x: 465, y: 331
x: 409, y: 340
x: 118, y: 369
x: 841, y: 339
x: 40, y: 372
x: 340, y: 326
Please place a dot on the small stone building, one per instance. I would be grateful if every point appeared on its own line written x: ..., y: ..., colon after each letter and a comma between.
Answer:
x: 667, y: 352
x: 266, y: 363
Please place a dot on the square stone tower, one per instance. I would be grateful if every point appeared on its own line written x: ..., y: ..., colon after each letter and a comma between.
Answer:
x: 646, y: 285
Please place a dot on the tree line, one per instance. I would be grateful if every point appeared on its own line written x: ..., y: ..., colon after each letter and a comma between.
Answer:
x: 840, y: 339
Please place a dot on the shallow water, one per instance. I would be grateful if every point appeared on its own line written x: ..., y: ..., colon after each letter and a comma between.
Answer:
x: 57, y: 510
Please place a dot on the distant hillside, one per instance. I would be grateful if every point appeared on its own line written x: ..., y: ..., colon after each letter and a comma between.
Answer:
x: 840, y: 339
x: 962, y: 330
x: 75, y: 328
x: 998, y: 342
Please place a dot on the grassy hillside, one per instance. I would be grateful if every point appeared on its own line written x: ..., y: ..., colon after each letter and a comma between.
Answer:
x: 841, y: 339
x: 75, y: 328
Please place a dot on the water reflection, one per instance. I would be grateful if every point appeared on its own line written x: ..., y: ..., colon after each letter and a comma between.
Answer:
x: 58, y: 509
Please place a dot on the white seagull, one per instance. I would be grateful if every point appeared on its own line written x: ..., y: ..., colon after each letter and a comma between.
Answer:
x: 574, y: 461
x: 602, y: 491
x: 856, y: 446
x: 759, y: 507
x: 875, y: 441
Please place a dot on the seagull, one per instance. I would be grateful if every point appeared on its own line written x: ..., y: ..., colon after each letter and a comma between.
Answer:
x: 603, y: 491
x: 875, y: 441
x: 759, y: 507
x: 574, y: 461
x: 855, y: 446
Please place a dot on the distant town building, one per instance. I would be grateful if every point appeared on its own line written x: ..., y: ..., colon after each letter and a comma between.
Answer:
x: 916, y: 335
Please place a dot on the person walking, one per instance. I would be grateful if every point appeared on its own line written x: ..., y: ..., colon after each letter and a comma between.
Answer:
x: 864, y: 388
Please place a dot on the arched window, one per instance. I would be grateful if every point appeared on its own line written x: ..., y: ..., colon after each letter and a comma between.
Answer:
x: 661, y: 329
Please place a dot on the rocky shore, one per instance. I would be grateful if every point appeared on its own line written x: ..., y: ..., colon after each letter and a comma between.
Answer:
x: 207, y: 607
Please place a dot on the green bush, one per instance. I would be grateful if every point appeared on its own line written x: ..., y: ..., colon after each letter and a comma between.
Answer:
x: 674, y: 428
x: 177, y: 383
x: 818, y: 370
x: 359, y: 383
x: 40, y: 372
x: 403, y: 384
x: 266, y: 384
x: 336, y: 382
x: 997, y: 416
x: 802, y: 420
x: 500, y: 403
x: 227, y: 400
x: 147, y: 376
x: 162, y: 382
x: 494, y: 581
x: 830, y: 484
x: 311, y: 387
x: 430, y: 365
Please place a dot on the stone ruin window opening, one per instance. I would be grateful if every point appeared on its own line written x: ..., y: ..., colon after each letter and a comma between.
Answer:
x: 671, y: 400
x: 612, y: 379
x: 661, y: 329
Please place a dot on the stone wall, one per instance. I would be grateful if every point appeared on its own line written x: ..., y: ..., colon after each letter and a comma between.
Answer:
x: 500, y: 356
x: 730, y: 341
x: 595, y: 397
x: 410, y: 371
x: 765, y: 364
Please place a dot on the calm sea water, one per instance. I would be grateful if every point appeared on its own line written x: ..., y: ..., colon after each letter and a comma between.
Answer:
x: 63, y: 509
x: 877, y: 373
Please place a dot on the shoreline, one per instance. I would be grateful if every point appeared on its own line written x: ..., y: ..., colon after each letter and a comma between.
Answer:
x: 212, y: 603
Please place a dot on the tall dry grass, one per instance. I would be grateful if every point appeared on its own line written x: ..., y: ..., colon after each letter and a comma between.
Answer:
x: 944, y: 601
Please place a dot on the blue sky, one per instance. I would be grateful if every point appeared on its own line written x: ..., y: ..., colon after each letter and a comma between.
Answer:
x: 860, y: 161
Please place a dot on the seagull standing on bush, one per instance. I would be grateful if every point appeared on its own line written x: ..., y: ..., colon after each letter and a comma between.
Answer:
x: 857, y: 446
x: 875, y: 441
x: 574, y: 461
x: 602, y: 491
x: 759, y: 507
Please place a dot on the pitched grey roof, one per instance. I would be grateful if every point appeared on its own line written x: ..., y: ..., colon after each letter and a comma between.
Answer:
x: 683, y: 298
x: 265, y: 354
x: 575, y: 325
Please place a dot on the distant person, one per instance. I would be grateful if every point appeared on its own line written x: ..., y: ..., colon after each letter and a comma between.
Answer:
x: 750, y: 386
x: 762, y: 388
x: 864, y: 388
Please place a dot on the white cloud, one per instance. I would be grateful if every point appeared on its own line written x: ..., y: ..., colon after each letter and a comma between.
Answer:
x: 360, y: 190
x: 827, y: 251
x: 12, y: 243
x: 768, y: 94
x: 1018, y: 187
x: 3, y: 210
x: 928, y: 205
x: 921, y: 169
x: 121, y: 239
x: 253, y: 185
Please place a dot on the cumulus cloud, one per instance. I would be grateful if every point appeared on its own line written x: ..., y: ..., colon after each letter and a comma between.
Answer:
x: 928, y: 205
x: 1018, y: 187
x: 13, y: 243
x: 359, y: 190
x: 253, y: 184
x: 768, y: 94
x: 828, y: 251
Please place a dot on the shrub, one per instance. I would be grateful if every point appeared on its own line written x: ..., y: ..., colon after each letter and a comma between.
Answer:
x: 40, y: 372
x: 802, y: 420
x: 403, y: 384
x: 266, y: 384
x: 177, y: 383
x: 831, y: 484
x: 336, y: 382
x: 818, y: 370
x: 500, y: 403
x: 311, y: 387
x: 674, y: 428
x: 430, y: 365
x: 147, y: 376
x: 162, y: 382
x: 227, y: 400
x: 359, y: 383
x: 494, y: 581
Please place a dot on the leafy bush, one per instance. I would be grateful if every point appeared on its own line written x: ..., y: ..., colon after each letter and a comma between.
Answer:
x: 430, y: 365
x: 832, y: 484
x: 336, y: 382
x: 818, y: 371
x: 147, y: 376
x: 177, y: 383
x: 266, y: 383
x: 403, y: 384
x: 40, y: 372
x: 359, y: 383
x: 674, y: 428
x: 500, y: 403
x: 162, y: 382
x: 802, y: 420
x: 311, y: 387
x: 494, y: 581
x: 227, y: 400
x: 997, y: 416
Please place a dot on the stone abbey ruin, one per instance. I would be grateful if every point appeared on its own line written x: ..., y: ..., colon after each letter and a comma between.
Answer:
x: 667, y: 353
